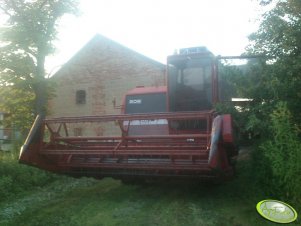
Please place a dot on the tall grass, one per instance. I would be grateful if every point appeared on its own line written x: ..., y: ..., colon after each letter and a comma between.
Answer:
x: 16, y: 178
x: 279, y: 157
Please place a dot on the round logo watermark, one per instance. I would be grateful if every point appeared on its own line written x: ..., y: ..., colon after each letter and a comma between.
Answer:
x: 276, y: 211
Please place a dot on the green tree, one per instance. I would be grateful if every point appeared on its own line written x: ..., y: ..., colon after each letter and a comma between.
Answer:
x: 277, y: 79
x: 18, y: 103
x: 26, y: 40
x: 274, y: 84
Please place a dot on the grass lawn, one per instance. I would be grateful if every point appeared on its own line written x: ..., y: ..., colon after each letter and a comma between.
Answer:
x: 85, y: 201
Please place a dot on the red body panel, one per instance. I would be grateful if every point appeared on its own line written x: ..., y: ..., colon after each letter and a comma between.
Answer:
x: 227, y: 129
x: 146, y: 127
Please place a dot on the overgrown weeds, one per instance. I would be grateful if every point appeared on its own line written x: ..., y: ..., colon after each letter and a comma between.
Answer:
x: 276, y: 157
x: 280, y: 156
x: 16, y: 178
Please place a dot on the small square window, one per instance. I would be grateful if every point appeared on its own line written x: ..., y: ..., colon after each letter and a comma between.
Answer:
x: 80, y: 97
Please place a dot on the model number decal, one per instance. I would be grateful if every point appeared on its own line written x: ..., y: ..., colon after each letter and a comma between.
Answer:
x: 135, y: 101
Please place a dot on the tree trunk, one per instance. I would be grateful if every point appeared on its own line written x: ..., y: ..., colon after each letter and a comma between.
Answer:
x: 40, y: 86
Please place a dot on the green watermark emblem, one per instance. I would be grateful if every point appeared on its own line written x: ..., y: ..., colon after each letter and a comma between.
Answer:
x: 276, y: 211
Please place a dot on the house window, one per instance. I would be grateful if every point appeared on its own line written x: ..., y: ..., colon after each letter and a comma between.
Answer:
x: 80, y: 97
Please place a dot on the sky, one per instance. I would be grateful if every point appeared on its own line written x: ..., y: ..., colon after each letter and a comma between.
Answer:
x: 156, y: 28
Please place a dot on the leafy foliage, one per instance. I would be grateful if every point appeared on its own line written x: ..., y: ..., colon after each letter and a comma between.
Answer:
x: 279, y: 37
x: 283, y: 155
x: 276, y: 77
x: 19, y: 105
x: 273, y: 83
x: 279, y: 32
x: 26, y: 39
x: 244, y: 81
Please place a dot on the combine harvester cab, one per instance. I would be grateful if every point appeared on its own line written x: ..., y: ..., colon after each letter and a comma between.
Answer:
x: 167, y: 131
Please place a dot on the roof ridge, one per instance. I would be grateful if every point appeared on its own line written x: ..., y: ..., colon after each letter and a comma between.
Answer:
x: 100, y: 37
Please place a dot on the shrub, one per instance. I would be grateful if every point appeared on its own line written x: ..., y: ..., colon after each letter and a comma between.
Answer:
x: 281, y: 156
x: 16, y: 178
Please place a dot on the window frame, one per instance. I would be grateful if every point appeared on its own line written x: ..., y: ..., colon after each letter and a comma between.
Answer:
x: 80, y: 97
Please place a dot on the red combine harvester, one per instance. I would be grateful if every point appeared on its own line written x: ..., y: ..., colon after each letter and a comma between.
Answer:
x: 167, y: 131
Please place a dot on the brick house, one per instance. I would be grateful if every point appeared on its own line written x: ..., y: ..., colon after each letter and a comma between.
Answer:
x: 101, y: 72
